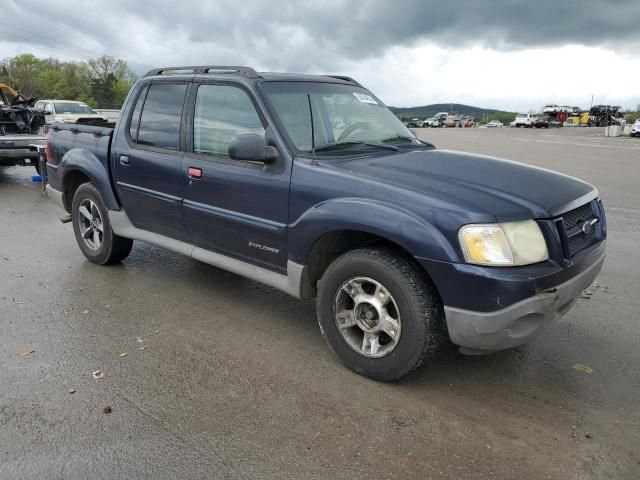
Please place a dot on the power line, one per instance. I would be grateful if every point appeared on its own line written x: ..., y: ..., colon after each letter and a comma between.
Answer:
x: 61, y: 48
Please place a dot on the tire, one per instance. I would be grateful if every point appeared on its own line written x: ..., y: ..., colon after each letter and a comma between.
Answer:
x: 90, y: 219
x: 415, y: 308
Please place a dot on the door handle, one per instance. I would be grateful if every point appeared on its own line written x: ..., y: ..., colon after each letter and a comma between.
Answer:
x: 194, y: 172
x: 124, y: 160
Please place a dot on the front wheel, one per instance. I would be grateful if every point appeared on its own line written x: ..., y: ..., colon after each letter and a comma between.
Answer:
x: 379, y: 313
x: 93, y: 230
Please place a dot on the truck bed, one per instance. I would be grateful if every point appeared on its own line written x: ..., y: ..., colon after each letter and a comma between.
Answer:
x: 95, y: 139
x: 15, y: 150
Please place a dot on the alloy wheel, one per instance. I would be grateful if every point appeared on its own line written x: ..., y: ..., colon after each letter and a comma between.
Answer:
x: 367, y: 317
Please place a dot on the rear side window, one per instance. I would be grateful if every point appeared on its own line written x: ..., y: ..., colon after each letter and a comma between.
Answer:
x: 135, y: 116
x: 221, y: 113
x: 161, y: 115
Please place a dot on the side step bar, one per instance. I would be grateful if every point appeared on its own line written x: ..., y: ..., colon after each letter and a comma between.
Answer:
x: 295, y: 283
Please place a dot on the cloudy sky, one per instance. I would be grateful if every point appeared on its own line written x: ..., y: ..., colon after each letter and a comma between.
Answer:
x: 509, y: 54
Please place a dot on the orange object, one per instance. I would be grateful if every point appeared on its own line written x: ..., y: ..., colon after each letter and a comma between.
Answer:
x: 7, y: 92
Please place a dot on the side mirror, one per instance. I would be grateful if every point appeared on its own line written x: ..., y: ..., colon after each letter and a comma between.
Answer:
x: 252, y: 147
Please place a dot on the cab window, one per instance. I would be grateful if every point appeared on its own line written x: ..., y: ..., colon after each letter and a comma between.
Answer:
x: 161, y: 116
x: 221, y: 113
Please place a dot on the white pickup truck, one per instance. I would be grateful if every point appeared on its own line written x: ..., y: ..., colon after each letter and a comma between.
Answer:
x: 68, y: 111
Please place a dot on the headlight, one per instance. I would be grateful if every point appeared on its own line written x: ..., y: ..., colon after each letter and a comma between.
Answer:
x: 503, y: 244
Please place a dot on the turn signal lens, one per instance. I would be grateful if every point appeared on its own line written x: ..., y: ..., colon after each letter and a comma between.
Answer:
x: 485, y: 245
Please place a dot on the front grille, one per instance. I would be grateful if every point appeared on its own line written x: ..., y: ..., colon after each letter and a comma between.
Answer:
x: 574, y: 237
x: 580, y: 214
x: 580, y: 241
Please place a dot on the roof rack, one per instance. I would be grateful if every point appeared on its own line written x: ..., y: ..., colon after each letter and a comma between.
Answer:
x: 345, y: 78
x: 246, y: 71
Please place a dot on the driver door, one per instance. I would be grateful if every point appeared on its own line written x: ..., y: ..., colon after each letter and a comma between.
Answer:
x: 234, y: 207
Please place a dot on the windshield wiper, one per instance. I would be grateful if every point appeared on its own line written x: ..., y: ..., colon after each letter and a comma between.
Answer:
x: 399, y: 138
x: 412, y: 140
x: 343, y: 145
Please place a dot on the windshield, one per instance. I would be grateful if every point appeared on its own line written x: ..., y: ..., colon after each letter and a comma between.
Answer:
x: 341, y: 115
x: 70, y: 107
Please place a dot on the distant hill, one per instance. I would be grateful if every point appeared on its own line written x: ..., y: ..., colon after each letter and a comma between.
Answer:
x: 428, y: 111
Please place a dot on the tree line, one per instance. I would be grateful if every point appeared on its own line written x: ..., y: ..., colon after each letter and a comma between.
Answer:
x: 100, y: 82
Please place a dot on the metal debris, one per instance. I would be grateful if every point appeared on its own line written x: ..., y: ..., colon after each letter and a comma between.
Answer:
x: 98, y: 374
x: 17, y: 114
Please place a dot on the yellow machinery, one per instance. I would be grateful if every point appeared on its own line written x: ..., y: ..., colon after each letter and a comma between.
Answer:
x: 7, y: 94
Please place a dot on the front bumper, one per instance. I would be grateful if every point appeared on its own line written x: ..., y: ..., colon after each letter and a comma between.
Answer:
x: 484, y: 332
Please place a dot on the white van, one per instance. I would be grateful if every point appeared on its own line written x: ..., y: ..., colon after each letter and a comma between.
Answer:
x: 525, y: 120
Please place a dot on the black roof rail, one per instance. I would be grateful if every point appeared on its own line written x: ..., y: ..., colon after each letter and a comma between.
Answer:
x: 345, y: 78
x: 246, y: 71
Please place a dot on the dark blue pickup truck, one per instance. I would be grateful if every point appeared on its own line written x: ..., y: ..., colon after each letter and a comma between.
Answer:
x: 311, y: 185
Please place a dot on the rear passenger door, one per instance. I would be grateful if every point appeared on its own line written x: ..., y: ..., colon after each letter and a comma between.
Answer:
x: 234, y: 207
x: 148, y: 160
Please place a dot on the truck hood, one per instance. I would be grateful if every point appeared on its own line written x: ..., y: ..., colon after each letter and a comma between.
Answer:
x: 507, y: 190
x: 74, y: 117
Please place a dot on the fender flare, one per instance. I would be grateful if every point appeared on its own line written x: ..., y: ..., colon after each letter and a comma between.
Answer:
x: 413, y: 233
x: 82, y: 160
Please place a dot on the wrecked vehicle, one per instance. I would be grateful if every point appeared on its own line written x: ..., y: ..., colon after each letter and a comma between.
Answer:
x: 20, y: 126
x: 309, y: 184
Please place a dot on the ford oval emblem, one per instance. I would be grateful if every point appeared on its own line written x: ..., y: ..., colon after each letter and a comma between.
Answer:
x: 587, y: 227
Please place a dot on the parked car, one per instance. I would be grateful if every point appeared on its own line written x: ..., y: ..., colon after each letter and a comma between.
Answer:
x: 68, y: 111
x: 20, y: 127
x: 495, y: 124
x: 431, y: 123
x: 525, y: 120
x: 453, y: 120
x: 635, y: 128
x: 401, y: 243
x: 546, y: 121
x: 572, y: 122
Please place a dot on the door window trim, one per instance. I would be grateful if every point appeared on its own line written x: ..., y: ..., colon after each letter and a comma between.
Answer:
x: 149, y: 148
x: 214, y: 158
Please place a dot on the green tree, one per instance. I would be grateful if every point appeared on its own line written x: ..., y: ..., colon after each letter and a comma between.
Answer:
x: 504, y: 117
x: 111, y: 80
x: 22, y: 73
x: 100, y: 82
x: 53, y: 84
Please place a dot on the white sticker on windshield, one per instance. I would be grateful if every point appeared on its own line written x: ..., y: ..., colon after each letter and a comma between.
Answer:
x: 364, y: 98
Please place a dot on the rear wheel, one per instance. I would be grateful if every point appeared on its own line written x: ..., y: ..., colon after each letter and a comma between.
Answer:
x: 379, y: 313
x: 93, y: 230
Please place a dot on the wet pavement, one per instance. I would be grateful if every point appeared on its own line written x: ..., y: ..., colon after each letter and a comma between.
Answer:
x: 226, y: 378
